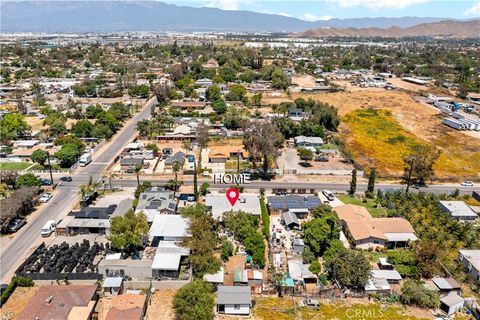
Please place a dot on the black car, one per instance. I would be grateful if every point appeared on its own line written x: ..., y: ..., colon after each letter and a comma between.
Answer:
x: 16, y: 224
x: 66, y: 179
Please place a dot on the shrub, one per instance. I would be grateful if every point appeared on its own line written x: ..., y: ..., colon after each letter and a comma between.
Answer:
x: 16, y: 282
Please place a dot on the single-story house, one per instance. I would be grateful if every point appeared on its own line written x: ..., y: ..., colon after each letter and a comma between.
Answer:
x: 280, y: 204
x: 298, y: 246
x: 126, y: 306
x: 156, y: 201
x: 392, y: 276
x: 112, y: 285
x: 24, y: 144
x: 451, y: 303
x: 233, y: 300
x: 87, y: 220
x: 205, y: 82
x: 215, y: 279
x: 378, y: 285
x: 471, y: 262
x: 188, y: 104
x: 129, y: 164
x: 458, y: 210
x: 178, y: 157
x: 308, y: 142
x: 117, y: 267
x: 218, y: 204
x: 365, y: 232
x: 167, y: 259
x: 211, y: 64
x: 61, y: 302
x: 299, y: 271
x: 446, y: 285
x: 168, y: 228
x: 221, y: 154
x: 290, y: 220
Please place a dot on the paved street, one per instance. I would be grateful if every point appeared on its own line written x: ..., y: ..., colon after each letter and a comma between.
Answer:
x: 66, y: 195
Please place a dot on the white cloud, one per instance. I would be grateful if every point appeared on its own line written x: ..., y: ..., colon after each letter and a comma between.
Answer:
x: 284, y: 14
x: 376, y: 4
x: 225, y: 4
x: 307, y: 16
x: 473, y: 11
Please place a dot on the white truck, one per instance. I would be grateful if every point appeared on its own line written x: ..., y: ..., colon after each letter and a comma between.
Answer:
x: 48, y: 228
x: 85, y: 159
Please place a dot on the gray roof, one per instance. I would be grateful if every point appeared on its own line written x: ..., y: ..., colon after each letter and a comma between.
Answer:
x: 177, y: 157
x: 156, y: 199
x: 451, y: 299
x: 290, y: 218
x: 131, y: 161
x: 293, y: 202
x: 458, y: 209
x: 298, y: 242
x: 446, y: 283
x: 234, y: 295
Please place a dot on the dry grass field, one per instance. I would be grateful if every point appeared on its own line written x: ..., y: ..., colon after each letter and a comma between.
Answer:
x: 460, y: 158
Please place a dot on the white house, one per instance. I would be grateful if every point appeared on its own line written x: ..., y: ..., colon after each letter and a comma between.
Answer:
x: 451, y: 303
x: 458, y: 210
x: 217, y: 204
x: 234, y: 300
x: 168, y: 228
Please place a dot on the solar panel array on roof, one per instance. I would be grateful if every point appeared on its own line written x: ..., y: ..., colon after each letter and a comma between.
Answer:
x: 95, y: 212
x: 293, y: 202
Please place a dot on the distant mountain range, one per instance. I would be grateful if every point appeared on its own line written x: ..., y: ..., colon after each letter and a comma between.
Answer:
x: 106, y: 16
x: 447, y: 28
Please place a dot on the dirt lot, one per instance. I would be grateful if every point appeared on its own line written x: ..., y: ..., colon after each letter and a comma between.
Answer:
x: 456, y: 161
x: 17, y: 301
x: 304, y: 80
x: 160, y: 306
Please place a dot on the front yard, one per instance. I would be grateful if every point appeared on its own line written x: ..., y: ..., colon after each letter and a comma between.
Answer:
x: 370, y: 205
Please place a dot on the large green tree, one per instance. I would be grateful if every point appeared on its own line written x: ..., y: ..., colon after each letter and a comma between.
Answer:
x: 194, y: 301
x: 202, y: 242
x: 68, y: 154
x: 27, y: 180
x: 419, y: 164
x: 350, y: 268
x: 128, y: 232
x: 318, y: 233
x: 13, y: 126
x: 39, y: 156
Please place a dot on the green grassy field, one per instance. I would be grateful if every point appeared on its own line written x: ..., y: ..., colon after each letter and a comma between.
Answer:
x: 370, y: 205
x: 18, y: 166
x: 283, y: 309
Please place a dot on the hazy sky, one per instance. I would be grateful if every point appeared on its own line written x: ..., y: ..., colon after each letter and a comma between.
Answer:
x: 326, y: 9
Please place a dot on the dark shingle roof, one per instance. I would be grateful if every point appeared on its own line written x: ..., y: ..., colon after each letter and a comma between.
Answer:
x: 293, y: 202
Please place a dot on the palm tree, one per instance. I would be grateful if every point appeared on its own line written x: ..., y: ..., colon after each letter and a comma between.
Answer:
x: 176, y: 167
x: 89, y: 188
x: 137, y: 172
x: 110, y: 178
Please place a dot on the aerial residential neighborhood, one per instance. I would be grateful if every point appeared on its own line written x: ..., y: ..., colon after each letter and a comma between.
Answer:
x: 240, y: 160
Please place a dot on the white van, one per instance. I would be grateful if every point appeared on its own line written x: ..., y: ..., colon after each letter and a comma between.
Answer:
x: 48, y: 228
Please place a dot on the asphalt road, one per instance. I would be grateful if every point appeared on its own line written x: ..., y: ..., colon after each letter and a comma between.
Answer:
x: 65, y: 196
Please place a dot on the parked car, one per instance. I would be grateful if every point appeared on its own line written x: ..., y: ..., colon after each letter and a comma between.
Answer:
x: 329, y: 195
x: 312, y: 303
x: 467, y: 184
x: 44, y: 198
x: 48, y: 228
x: 66, y: 179
x: 45, y: 182
x: 16, y: 224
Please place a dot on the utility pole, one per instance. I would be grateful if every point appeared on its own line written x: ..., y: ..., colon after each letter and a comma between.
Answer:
x: 238, y: 161
x: 50, y: 167
x: 195, y: 182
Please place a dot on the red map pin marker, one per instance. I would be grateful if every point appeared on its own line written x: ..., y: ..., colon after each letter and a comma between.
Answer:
x: 232, y: 196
